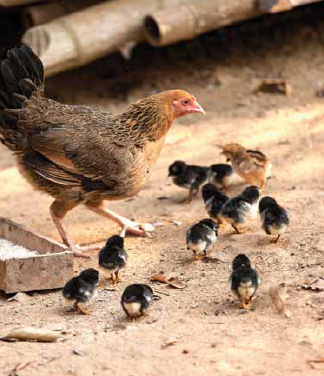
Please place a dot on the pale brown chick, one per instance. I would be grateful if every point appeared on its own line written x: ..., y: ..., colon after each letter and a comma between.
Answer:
x: 77, y: 154
x: 252, y: 165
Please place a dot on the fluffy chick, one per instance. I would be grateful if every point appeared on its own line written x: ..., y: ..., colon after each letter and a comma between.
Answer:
x: 189, y: 177
x: 136, y: 299
x: 201, y: 236
x: 244, y: 280
x: 252, y: 165
x: 274, y: 217
x: 81, y: 289
x: 113, y: 257
x: 221, y: 175
x: 237, y: 210
x: 214, y: 201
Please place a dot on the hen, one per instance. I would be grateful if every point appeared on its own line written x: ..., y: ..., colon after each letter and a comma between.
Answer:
x: 78, y: 154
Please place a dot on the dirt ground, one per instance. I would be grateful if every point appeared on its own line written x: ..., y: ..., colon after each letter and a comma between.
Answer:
x: 211, y: 335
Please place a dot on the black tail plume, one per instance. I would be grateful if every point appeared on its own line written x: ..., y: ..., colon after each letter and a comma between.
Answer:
x: 21, y: 74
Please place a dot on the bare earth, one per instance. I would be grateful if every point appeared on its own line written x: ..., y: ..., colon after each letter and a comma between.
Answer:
x: 211, y: 335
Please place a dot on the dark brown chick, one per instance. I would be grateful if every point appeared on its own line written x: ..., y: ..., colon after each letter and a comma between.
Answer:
x: 252, y: 165
x: 77, y: 154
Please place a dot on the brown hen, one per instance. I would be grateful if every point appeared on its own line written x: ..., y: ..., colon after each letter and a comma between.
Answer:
x: 80, y: 154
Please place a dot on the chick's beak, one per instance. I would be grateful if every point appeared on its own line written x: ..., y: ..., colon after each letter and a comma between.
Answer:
x: 196, y: 107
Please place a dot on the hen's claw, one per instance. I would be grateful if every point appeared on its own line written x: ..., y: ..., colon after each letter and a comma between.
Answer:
x: 78, y: 250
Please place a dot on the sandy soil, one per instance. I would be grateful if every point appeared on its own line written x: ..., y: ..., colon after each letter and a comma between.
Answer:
x: 211, y: 335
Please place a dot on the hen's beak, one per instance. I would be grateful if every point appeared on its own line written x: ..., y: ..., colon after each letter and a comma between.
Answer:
x: 196, y: 107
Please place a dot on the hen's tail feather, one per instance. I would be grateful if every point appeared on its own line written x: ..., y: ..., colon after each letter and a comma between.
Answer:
x: 21, y: 75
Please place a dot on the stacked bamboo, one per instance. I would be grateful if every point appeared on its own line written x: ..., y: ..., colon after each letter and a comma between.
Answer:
x: 67, y: 34
x: 12, y: 3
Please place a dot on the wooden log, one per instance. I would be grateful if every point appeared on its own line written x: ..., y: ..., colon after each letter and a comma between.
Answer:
x: 81, y: 37
x: 42, y: 13
x: 13, y: 3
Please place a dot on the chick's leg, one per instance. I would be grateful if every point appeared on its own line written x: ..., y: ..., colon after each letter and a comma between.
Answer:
x: 58, y: 211
x: 116, y: 274
x: 78, y: 308
x: 239, y: 231
x: 275, y: 240
x: 140, y: 229
x: 236, y: 229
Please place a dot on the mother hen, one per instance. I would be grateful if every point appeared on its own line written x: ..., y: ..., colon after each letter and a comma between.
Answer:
x: 78, y: 154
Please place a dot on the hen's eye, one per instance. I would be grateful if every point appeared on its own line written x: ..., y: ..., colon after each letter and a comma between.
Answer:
x: 185, y: 102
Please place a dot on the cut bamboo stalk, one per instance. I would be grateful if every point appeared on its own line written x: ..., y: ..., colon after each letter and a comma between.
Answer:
x: 81, y: 37
x: 42, y: 13
x: 194, y: 17
x: 12, y: 3
x: 275, y: 6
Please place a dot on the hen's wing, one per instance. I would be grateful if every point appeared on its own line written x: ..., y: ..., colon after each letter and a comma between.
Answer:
x: 83, y: 142
x: 83, y: 151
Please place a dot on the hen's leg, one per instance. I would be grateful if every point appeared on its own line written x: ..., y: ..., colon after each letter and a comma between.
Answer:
x: 58, y: 211
x: 140, y: 229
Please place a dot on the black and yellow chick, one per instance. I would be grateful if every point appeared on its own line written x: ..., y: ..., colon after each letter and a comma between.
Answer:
x: 201, y: 236
x: 136, y: 299
x: 189, y: 177
x: 81, y: 289
x: 113, y: 257
x: 214, y: 201
x: 238, y: 209
x: 244, y: 280
x: 221, y: 175
x: 274, y: 217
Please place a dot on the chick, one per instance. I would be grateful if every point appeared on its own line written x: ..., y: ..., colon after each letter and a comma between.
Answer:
x: 81, y: 289
x: 201, y: 236
x: 214, y: 201
x: 244, y: 280
x: 236, y: 210
x: 274, y: 217
x: 189, y: 177
x: 221, y: 175
x: 251, y: 165
x: 113, y: 257
x: 136, y: 299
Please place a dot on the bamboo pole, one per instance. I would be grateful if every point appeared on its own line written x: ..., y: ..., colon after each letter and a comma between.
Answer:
x: 42, y: 13
x: 12, y: 3
x: 84, y: 36
x: 275, y: 6
x: 194, y: 17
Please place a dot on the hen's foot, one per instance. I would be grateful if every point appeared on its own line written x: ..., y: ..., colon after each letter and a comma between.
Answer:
x: 78, y: 249
x: 139, y: 229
